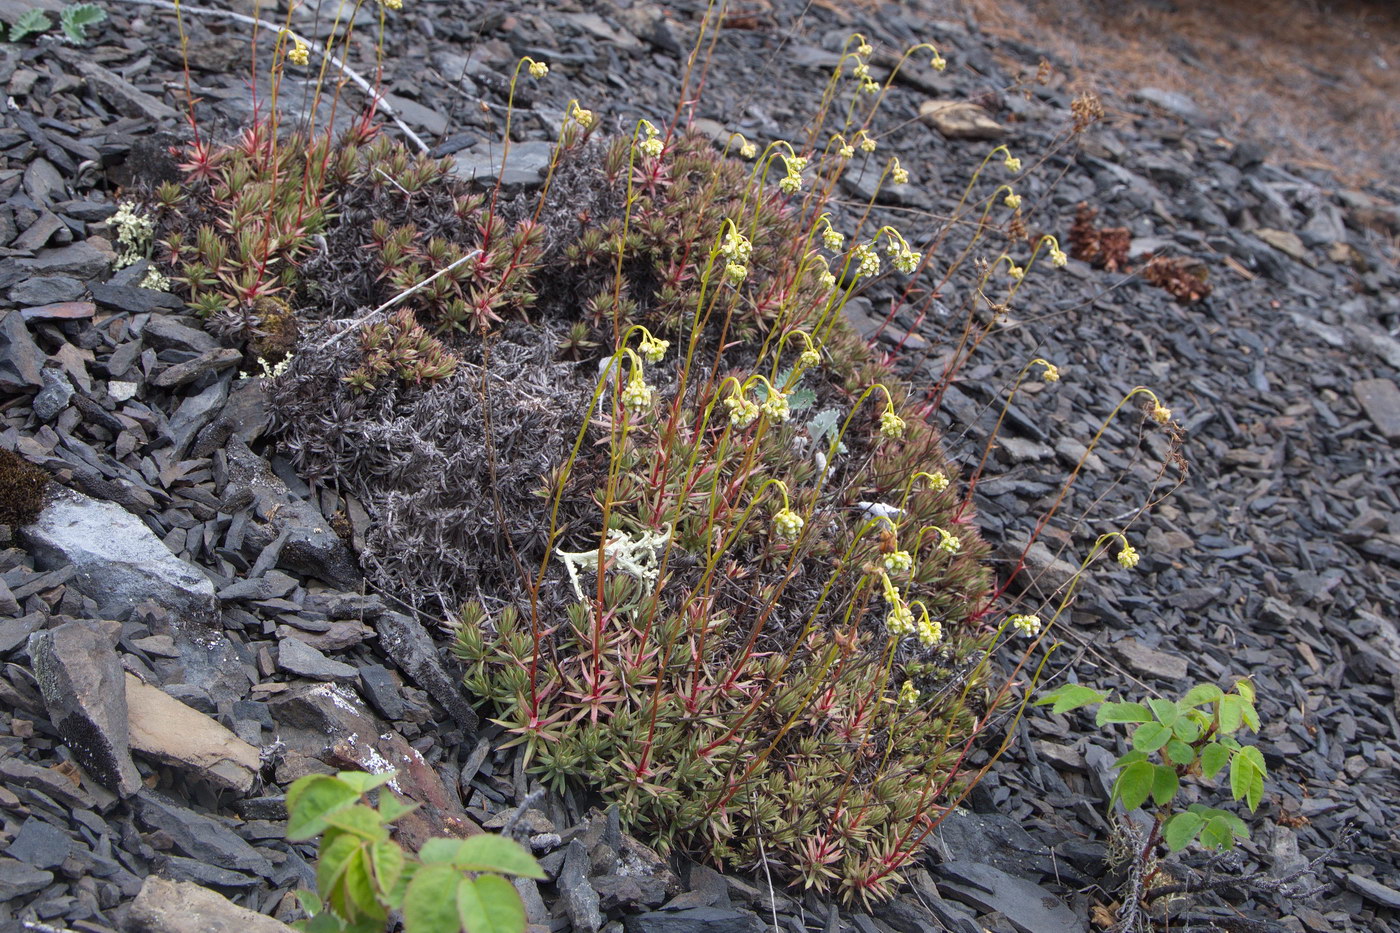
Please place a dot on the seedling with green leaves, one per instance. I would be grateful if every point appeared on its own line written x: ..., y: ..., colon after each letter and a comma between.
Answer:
x: 451, y: 885
x: 1193, y: 736
x: 73, y: 20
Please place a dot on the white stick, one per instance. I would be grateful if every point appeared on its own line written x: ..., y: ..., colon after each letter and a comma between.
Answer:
x: 397, y: 298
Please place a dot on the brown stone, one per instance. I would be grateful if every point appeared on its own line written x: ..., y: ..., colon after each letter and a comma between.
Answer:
x: 958, y: 119
x: 161, y: 727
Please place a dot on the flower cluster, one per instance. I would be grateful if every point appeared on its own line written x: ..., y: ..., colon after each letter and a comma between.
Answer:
x: 537, y: 69
x: 832, y: 238
x: 867, y: 260
x: 938, y: 482
x: 637, y: 396
x: 1161, y: 415
x: 134, y: 234
x: 776, y: 407
x: 653, y: 349
x: 1051, y: 374
x: 791, y: 183
x: 787, y: 524
x: 1013, y: 200
x: 949, y: 543
x: 930, y: 631
x: 742, y: 411
x: 891, y: 425
x: 908, y: 694
x: 736, y: 249
x: 900, y: 620
x: 584, y: 118
x: 1012, y: 163
x: 1128, y: 557
x: 299, y: 54
x: 1027, y: 625
x: 899, y: 561
x: 898, y: 174
x: 810, y: 357
x: 651, y: 146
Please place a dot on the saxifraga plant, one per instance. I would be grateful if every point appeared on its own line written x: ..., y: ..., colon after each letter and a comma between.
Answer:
x: 757, y: 601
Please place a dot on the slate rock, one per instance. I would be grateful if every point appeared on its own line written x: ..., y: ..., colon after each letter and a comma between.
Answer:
x: 81, y: 679
x: 959, y: 119
x: 297, y: 657
x: 54, y: 396
x: 382, y: 691
x: 46, y: 290
x: 1373, y: 891
x: 163, y: 728
x: 411, y: 648
x: 313, y: 549
x: 1176, y: 104
x: 18, y: 879
x: 694, y: 920
x: 120, y: 562
x: 21, y: 360
x: 1150, y: 662
x: 1380, y: 399
x: 123, y: 96
x: 169, y: 332
x: 61, y: 311
x: 525, y: 165
x: 40, y: 844
x: 184, y: 373
x: 580, y: 900
x: 1029, y: 907
x: 181, y: 907
x: 200, y: 837
x: 135, y: 300
x: 82, y: 260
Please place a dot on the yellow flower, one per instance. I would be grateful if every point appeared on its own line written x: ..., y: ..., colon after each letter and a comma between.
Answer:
x: 299, y: 54
x: 637, y: 396
x: 393, y: 4
x: 847, y: 151
x: 833, y: 239
x: 864, y: 49
x: 891, y: 425
x: 1128, y: 557
x: 1012, y: 164
x: 900, y: 620
x: 742, y: 412
x: 908, y: 694
x: 583, y: 118
x: 1027, y: 625
x: 653, y: 349
x: 867, y: 144
x: 809, y: 358
x: 1016, y: 272
x: 1161, y: 415
x: 938, y: 62
x: 899, y: 562
x: 1058, y: 259
x: 748, y: 150
x: 1051, y: 374
x: 1013, y: 200
x: 898, y: 175
x: 950, y: 544
x: 537, y: 69
x: 736, y: 272
x: 787, y: 525
x: 930, y: 631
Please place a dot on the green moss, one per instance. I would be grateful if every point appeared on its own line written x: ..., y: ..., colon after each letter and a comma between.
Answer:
x: 22, y: 490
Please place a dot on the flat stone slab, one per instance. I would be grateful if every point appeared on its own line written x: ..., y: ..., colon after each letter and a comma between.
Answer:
x: 119, y: 560
x: 161, y: 727
x: 1380, y: 399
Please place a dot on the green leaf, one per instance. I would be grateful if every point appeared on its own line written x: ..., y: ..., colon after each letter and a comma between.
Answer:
x: 1245, y: 688
x: 363, y: 782
x: 1247, y: 776
x: 1166, y: 711
x: 1134, y: 784
x: 1201, y: 694
x: 29, y: 23
x: 1181, y: 829
x: 1123, y: 712
x: 358, y: 883
x: 1250, y: 717
x: 802, y: 399
x: 1216, y: 834
x: 310, y: 901
x: 1213, y: 758
x: 1068, y: 697
x: 1187, y: 729
x: 490, y: 904
x: 1231, y: 714
x: 485, y: 852
x: 391, y: 807
x: 388, y: 865
x: 359, y: 820
x: 430, y: 903
x: 1179, y: 753
x: 1130, y: 757
x: 330, y: 869
x: 1164, y: 785
x: 1150, y: 736
x: 75, y: 20
x: 310, y: 800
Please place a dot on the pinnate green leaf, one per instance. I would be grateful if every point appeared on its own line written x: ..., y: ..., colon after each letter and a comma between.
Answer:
x: 489, y: 904
x: 1214, y: 757
x: 1247, y: 772
x: 1186, y: 729
x: 363, y: 781
x: 30, y: 22
x: 358, y: 820
x: 1134, y: 784
x: 1150, y: 736
x: 1181, y: 829
x: 388, y: 865
x: 1166, y: 711
x: 1216, y: 834
x: 430, y: 902
x: 1179, y: 753
x: 1164, y: 785
x: 311, y: 799
x: 485, y: 852
x: 1231, y: 714
x: 1245, y: 688
x: 1123, y: 712
x: 1068, y: 697
x: 75, y: 19
x: 1201, y: 694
